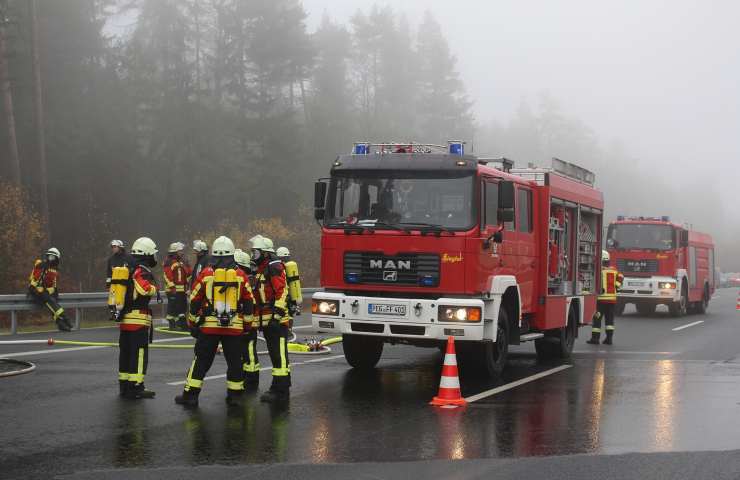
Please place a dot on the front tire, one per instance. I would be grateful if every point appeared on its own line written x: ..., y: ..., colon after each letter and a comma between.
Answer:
x: 558, y: 343
x: 679, y: 309
x: 492, y: 356
x: 362, y: 352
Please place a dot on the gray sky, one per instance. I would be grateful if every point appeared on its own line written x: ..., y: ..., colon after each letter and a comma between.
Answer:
x: 661, y: 76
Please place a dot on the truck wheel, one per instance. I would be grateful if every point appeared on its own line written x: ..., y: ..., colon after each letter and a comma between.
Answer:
x: 701, y: 306
x: 362, y: 352
x: 679, y: 308
x: 646, y: 309
x: 619, y: 309
x: 492, y: 356
x: 558, y: 343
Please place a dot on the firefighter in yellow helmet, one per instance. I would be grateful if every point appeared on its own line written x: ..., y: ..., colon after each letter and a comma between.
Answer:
x: 611, y: 283
x: 250, y: 360
x: 219, y: 303
x: 271, y: 309
x: 176, y: 273
x: 132, y: 288
x: 292, y: 276
x: 42, y: 287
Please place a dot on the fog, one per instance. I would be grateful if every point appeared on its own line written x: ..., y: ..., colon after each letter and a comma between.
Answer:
x: 657, y: 78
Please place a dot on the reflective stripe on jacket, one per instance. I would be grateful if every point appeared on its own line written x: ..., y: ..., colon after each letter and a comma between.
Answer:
x: 611, y: 283
x: 137, y: 314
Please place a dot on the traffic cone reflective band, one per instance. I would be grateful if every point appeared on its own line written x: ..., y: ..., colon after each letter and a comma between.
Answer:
x: 449, y: 384
x: 738, y: 300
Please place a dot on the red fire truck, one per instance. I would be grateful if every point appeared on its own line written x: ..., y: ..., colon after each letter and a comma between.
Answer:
x: 663, y: 264
x: 422, y: 242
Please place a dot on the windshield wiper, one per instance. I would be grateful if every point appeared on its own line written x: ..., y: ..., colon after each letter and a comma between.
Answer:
x: 426, y: 227
x: 383, y: 225
x: 348, y: 227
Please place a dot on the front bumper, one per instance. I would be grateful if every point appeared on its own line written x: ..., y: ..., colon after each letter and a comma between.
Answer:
x: 647, y: 289
x: 420, y: 321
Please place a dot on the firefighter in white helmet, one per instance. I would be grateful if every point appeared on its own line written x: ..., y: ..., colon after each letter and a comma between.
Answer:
x: 136, y: 286
x: 220, y: 302
x: 271, y: 309
x: 42, y: 286
x: 176, y: 274
x: 118, y: 258
x: 292, y: 276
x: 611, y: 283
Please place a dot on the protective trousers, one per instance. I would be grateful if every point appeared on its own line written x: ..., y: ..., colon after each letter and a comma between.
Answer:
x: 205, y: 352
x: 133, y: 356
x: 276, y: 336
x: 177, y: 305
x: 51, y: 303
x: 250, y: 361
x: 606, y: 311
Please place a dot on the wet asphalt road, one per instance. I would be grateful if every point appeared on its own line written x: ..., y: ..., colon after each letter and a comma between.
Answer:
x: 656, y: 390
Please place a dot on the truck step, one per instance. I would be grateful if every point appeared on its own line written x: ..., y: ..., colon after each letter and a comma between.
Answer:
x: 528, y: 337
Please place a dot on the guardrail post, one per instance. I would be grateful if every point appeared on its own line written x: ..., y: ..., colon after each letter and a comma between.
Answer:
x: 77, y: 319
x: 13, y: 323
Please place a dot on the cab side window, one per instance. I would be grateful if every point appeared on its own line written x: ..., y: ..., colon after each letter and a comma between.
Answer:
x: 524, y: 210
x: 491, y: 204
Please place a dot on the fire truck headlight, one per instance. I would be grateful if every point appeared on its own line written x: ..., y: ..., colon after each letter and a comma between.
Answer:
x: 325, y: 307
x: 667, y: 285
x: 454, y: 313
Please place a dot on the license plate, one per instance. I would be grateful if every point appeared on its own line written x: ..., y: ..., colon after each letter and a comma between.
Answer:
x: 636, y: 284
x: 386, y: 309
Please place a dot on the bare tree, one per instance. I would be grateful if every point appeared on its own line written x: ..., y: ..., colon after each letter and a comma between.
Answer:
x: 15, y: 165
x: 39, y: 118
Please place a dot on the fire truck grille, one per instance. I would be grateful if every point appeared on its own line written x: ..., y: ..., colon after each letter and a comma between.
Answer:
x: 403, y: 269
x: 637, y: 266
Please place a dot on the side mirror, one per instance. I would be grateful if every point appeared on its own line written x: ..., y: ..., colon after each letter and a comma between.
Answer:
x: 495, y: 237
x: 319, y: 199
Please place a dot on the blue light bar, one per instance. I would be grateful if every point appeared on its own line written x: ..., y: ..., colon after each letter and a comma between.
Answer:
x: 665, y: 218
x: 457, y: 148
x: 352, y: 277
x: 362, y: 149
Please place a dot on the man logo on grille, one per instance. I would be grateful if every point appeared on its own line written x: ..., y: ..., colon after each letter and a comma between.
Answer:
x: 390, y: 276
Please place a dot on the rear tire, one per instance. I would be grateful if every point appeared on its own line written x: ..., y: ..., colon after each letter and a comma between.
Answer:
x: 679, y: 309
x: 701, y: 306
x: 361, y: 352
x: 558, y: 343
x: 646, y: 309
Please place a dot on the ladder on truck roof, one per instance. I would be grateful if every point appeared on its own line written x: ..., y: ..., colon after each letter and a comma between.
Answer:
x: 561, y: 167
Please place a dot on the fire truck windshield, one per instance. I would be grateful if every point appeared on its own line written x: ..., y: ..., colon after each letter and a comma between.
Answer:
x: 401, y: 198
x: 640, y: 236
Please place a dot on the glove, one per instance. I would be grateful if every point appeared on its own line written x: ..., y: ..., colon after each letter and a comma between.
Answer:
x: 113, y: 313
x: 278, y: 312
x: 294, y: 310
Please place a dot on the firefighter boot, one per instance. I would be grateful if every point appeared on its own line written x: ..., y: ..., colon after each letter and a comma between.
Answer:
x: 234, y: 398
x: 609, y: 335
x: 136, y: 391
x: 188, y: 398
x: 275, y: 396
x: 63, y: 323
x: 171, y: 323
x: 594, y: 338
x: 251, y: 383
x: 182, y: 324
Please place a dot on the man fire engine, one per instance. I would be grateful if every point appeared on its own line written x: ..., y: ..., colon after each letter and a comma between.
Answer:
x: 663, y: 263
x: 422, y: 242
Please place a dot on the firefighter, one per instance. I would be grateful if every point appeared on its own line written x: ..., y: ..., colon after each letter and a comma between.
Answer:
x: 220, y: 301
x: 131, y: 291
x: 42, y: 287
x: 292, y: 277
x: 250, y: 360
x: 611, y: 283
x: 271, y: 309
x: 176, y: 273
x: 118, y: 258
x: 201, y: 260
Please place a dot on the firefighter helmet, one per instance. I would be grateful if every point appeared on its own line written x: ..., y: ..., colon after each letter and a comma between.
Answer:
x: 200, y: 246
x: 242, y: 258
x: 144, y: 246
x: 54, y: 251
x: 262, y: 243
x: 222, y: 247
x: 176, y: 247
x: 604, y: 256
x: 116, y: 243
x: 283, y: 252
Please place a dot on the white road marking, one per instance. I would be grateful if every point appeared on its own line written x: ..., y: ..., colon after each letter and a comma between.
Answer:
x: 693, y: 324
x: 76, y: 349
x: 509, y: 386
x: 625, y: 352
x: 223, y: 375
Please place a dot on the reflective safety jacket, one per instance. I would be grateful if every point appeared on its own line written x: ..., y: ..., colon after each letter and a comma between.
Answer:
x: 611, y: 283
x: 293, y: 278
x: 271, y: 293
x: 176, y: 273
x: 136, y: 313
x: 221, y: 301
x: 43, y: 277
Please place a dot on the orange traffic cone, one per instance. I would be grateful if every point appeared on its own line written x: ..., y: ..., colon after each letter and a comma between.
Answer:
x: 449, y: 384
x: 738, y: 300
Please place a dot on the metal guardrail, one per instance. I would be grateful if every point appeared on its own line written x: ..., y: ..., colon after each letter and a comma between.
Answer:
x: 77, y: 301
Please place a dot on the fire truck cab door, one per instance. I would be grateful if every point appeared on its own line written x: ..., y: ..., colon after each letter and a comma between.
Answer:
x: 526, y: 251
x: 497, y: 258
